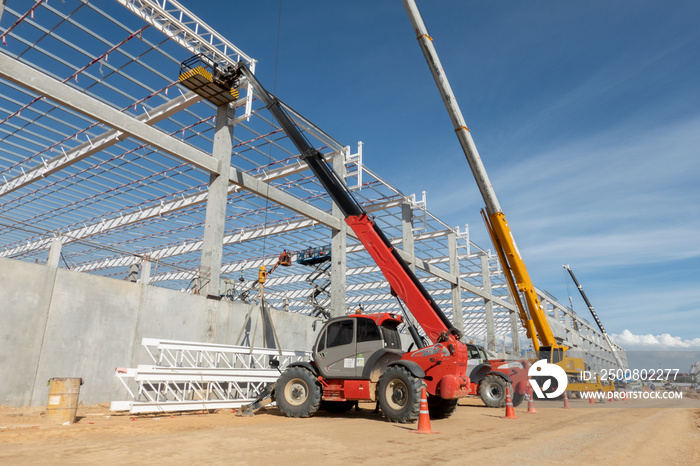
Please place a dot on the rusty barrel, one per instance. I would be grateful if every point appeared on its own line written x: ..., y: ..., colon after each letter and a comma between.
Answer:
x: 62, y: 406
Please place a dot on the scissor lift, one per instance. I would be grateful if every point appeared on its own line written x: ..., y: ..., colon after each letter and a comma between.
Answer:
x: 320, y: 279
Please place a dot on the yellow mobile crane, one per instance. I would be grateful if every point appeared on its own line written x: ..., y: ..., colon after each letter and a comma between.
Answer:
x: 532, y: 315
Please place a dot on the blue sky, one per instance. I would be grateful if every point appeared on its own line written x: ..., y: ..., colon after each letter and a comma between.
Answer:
x: 586, y: 115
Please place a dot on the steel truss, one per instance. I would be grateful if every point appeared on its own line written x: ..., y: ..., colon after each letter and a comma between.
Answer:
x: 114, y: 197
x: 188, y: 376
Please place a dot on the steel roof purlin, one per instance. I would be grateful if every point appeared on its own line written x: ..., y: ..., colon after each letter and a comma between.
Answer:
x: 102, y: 151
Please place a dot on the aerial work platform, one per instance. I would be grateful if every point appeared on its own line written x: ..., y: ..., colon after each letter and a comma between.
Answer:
x: 313, y: 256
x: 196, y: 76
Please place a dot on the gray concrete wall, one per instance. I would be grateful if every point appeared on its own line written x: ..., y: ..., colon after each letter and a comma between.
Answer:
x: 58, y: 323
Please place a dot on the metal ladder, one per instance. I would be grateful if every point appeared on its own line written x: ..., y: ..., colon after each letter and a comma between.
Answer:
x: 188, y: 376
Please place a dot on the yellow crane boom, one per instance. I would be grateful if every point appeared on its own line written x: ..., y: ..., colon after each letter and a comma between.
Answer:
x: 532, y: 314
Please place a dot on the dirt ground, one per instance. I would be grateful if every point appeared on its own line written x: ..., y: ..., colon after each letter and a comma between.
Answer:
x: 631, y: 432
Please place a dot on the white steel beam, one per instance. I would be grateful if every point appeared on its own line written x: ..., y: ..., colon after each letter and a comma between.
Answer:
x: 382, y: 205
x: 112, y: 223
x: 193, y: 246
x: 165, y: 207
x: 96, y: 145
x: 180, y: 25
x: 425, y: 265
x: 171, y: 206
x: 378, y: 296
x: 299, y: 278
x: 36, y: 81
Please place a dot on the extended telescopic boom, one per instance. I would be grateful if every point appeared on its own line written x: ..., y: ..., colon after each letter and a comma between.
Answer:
x: 402, y: 280
x: 595, y: 317
x: 533, y: 317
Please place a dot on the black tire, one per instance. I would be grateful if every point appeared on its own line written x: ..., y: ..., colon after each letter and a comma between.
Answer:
x: 297, y: 392
x: 399, y: 395
x: 337, y: 406
x: 492, y: 391
x: 441, y: 408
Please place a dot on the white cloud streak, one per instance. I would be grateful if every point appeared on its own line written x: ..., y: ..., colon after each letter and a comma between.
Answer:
x: 664, y: 341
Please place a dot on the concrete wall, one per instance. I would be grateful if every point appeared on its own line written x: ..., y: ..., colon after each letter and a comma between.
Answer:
x: 58, y: 323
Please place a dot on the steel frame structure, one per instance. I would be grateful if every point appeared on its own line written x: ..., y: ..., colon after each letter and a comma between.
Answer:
x: 104, y: 154
x: 187, y: 376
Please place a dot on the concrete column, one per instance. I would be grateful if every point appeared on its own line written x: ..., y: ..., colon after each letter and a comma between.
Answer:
x: 54, y: 252
x: 562, y: 317
x: 408, y: 244
x: 453, y: 254
x: 587, y: 340
x: 568, y: 321
x: 215, y: 220
x: 514, y: 324
x: 555, y: 309
x: 145, y: 272
x: 488, y: 304
x: 338, y: 249
x: 514, y: 327
x: 575, y: 322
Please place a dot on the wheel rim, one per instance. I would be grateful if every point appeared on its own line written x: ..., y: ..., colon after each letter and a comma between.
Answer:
x: 296, y: 392
x: 495, y: 392
x: 396, y: 394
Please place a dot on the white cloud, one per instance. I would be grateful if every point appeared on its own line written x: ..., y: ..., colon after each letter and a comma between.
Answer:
x: 665, y: 341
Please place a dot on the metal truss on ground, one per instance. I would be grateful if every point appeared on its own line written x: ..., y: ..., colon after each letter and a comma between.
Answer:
x: 105, y: 158
x: 190, y: 376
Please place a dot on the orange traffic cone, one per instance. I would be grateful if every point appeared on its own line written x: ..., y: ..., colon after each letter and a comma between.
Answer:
x: 510, y: 412
x: 530, y: 401
x: 612, y: 398
x: 566, y: 401
x: 424, y: 417
x: 591, y: 401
